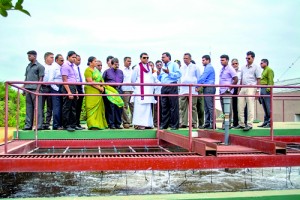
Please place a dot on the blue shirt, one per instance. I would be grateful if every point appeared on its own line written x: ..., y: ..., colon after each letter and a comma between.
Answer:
x: 112, y: 75
x: 173, y: 75
x: 208, y: 76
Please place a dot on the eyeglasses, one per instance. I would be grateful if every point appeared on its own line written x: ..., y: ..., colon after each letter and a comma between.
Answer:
x: 145, y: 57
x: 99, y: 65
x: 235, y: 63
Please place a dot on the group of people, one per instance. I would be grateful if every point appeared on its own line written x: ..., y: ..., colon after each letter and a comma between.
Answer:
x: 138, y: 108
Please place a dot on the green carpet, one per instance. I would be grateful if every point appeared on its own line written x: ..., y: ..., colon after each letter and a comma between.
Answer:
x: 131, y: 133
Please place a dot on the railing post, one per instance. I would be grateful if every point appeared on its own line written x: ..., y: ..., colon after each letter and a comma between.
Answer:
x: 158, y: 115
x: 190, y: 117
x: 6, y: 118
x: 214, y: 112
x: 271, y: 114
x: 36, y: 118
x: 283, y: 110
x: 18, y: 113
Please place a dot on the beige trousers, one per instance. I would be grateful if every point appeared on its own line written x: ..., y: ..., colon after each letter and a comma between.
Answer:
x: 242, y: 101
x: 184, y: 107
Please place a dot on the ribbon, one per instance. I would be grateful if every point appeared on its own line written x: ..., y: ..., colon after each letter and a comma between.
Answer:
x: 142, y: 70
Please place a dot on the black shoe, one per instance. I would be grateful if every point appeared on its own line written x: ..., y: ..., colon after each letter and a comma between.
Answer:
x: 267, y: 126
x: 247, y: 128
x: 27, y: 129
x: 262, y: 125
x: 182, y: 126
x: 161, y: 127
x: 112, y: 127
x: 119, y: 127
x: 46, y: 128
x: 239, y: 127
x: 148, y: 127
x: 77, y: 128
x: 80, y: 126
x: 173, y: 128
x: 70, y: 129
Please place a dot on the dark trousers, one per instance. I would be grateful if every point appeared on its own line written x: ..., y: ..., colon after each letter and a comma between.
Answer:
x: 155, y: 106
x: 170, y: 107
x: 266, y: 103
x: 47, y: 100
x: 79, y: 104
x: 235, y: 114
x: 209, y: 105
x: 69, y: 108
x: 57, y: 109
x: 200, y: 110
x: 113, y: 114
x: 30, y: 105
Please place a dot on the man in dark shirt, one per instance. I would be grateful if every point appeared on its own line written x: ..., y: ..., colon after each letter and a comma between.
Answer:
x: 113, y: 113
x: 34, y: 72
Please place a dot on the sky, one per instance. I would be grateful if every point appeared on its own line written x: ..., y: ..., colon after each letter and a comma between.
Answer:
x: 100, y: 28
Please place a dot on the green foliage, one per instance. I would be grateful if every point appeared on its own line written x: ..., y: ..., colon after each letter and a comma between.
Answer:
x: 6, y: 5
x: 12, y: 107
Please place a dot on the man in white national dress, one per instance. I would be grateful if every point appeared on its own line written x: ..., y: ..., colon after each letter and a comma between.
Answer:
x: 142, y: 115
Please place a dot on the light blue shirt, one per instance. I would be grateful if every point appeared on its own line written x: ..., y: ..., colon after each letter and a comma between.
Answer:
x: 208, y: 76
x: 173, y: 75
x: 55, y: 75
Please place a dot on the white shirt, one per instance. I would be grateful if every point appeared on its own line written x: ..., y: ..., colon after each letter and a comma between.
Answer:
x: 76, y: 68
x: 55, y: 75
x: 190, y: 75
x: 127, y: 72
x: 47, y: 69
x: 250, y: 74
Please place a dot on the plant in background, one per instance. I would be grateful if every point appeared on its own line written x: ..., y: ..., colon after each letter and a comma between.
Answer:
x: 12, y: 107
x: 6, y: 5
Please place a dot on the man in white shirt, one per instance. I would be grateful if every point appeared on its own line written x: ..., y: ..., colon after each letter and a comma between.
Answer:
x: 49, y: 59
x: 128, y: 106
x: 190, y: 75
x: 250, y: 75
x: 55, y: 76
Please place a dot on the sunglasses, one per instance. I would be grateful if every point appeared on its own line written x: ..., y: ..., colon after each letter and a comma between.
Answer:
x: 61, y: 60
x: 99, y: 65
x: 235, y: 63
x: 145, y: 57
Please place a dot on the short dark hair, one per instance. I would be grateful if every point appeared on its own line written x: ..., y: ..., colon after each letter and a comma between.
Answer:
x: 143, y: 54
x: 251, y: 53
x: 188, y: 54
x: 108, y: 58
x: 127, y: 57
x: 225, y: 56
x: 90, y: 59
x: 114, y: 60
x: 167, y: 54
x: 71, y: 53
x: 158, y: 61
x: 206, y: 57
x: 192, y: 61
x: 265, y: 61
x: 77, y: 55
x: 56, y: 57
x: 47, y: 54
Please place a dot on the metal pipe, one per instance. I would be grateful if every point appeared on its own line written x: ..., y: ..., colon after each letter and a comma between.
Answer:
x: 158, y: 115
x: 271, y: 114
x: 6, y: 118
x: 36, y: 119
x: 190, y: 117
x: 283, y: 110
x: 18, y: 112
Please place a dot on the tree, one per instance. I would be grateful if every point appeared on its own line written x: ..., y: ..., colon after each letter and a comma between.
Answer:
x: 12, y: 107
x: 6, y: 5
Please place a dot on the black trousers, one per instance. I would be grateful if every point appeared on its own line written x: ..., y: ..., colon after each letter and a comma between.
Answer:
x: 57, y: 109
x: 170, y: 108
x: 113, y: 113
x: 49, y: 109
x: 69, y: 108
x: 79, y: 104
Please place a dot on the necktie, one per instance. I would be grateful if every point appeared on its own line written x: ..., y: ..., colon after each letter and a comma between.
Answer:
x: 80, y: 79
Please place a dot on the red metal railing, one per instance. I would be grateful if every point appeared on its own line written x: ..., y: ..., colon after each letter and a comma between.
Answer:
x: 190, y: 95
